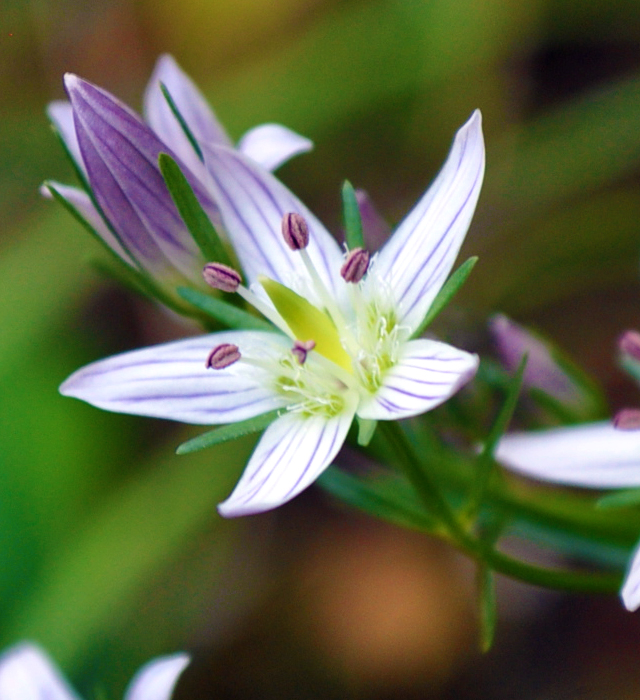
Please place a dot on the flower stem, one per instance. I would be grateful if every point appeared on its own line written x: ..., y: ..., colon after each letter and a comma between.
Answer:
x: 483, y: 553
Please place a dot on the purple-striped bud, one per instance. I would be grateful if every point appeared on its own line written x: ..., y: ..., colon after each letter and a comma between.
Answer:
x: 627, y: 419
x: 221, y: 277
x: 355, y: 266
x: 295, y: 231
x: 629, y: 344
x: 222, y: 356
x: 301, y: 349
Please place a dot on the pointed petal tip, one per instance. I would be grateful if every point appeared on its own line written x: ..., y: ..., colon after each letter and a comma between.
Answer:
x: 71, y: 81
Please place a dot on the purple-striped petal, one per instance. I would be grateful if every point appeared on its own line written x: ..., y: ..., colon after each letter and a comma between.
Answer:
x: 27, y: 673
x: 157, y: 679
x: 252, y: 203
x: 594, y: 455
x: 121, y: 153
x: 427, y: 374
x: 271, y: 145
x: 191, y: 104
x: 630, y: 592
x: 171, y: 381
x: 60, y: 113
x: 294, y: 450
x: 418, y: 258
x: 82, y: 203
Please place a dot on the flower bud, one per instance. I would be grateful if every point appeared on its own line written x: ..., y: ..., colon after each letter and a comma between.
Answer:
x: 627, y: 419
x: 295, y: 231
x: 629, y: 344
x: 221, y: 277
x: 222, y: 356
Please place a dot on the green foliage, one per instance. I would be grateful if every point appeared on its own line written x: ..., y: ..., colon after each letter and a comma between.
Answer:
x: 228, y: 432
x: 446, y: 294
x: 228, y: 315
x: 351, y: 217
x: 192, y: 213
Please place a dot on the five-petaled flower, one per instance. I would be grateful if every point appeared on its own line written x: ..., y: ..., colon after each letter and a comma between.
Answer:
x: 27, y: 673
x: 342, y: 344
x: 116, y: 153
x: 602, y: 455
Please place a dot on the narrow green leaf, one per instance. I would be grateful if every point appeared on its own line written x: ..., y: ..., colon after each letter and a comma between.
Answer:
x: 487, y: 605
x: 88, y: 227
x: 227, y: 314
x: 181, y: 120
x: 386, y: 497
x: 504, y: 415
x: 619, y: 499
x: 446, y: 294
x: 485, y: 464
x: 227, y: 432
x: 366, y: 429
x: 193, y: 215
x: 76, y: 168
x: 352, y: 218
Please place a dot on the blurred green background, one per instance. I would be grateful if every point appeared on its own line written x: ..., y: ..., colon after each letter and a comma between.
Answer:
x: 111, y: 550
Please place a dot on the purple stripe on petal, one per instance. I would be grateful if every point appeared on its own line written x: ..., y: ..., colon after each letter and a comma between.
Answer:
x: 426, y: 375
x: 120, y: 153
x: 420, y: 255
x: 291, y: 454
x: 252, y: 203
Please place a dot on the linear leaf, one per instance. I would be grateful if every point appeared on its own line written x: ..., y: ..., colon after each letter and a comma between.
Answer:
x: 352, y: 218
x: 446, y: 294
x: 192, y: 213
x: 227, y: 314
x: 227, y: 432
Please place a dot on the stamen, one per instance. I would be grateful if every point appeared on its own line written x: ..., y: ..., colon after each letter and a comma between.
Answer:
x: 222, y: 356
x: 221, y: 277
x: 627, y: 419
x: 301, y: 349
x: 629, y: 344
x: 295, y: 231
x: 355, y: 266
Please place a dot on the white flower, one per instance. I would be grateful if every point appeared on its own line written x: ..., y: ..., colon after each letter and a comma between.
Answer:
x: 27, y: 673
x: 593, y: 455
x: 343, y: 349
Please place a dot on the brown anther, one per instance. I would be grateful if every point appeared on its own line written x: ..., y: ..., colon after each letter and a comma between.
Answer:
x: 221, y: 277
x: 295, y: 231
x: 627, y: 419
x: 355, y: 266
x: 222, y: 356
x: 629, y: 344
x: 301, y: 349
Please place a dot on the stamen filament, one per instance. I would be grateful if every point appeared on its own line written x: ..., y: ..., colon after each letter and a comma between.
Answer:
x: 267, y: 311
x: 332, y: 308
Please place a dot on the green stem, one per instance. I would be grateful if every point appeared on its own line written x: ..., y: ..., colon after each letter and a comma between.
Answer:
x: 422, y: 482
x: 436, y: 504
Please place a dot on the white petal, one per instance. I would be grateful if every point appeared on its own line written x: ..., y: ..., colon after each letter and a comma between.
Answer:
x: 595, y: 455
x: 171, y: 381
x: 252, y: 203
x: 427, y: 373
x: 60, y: 113
x: 156, y: 680
x: 81, y: 201
x: 419, y: 256
x: 27, y: 673
x: 191, y: 104
x: 630, y: 591
x: 271, y: 145
x: 291, y: 454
